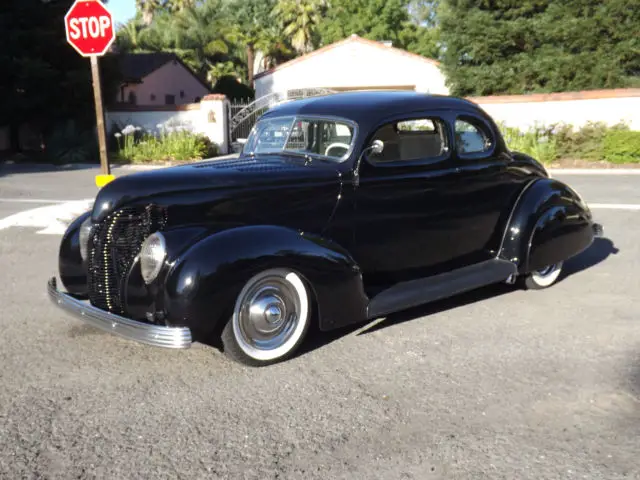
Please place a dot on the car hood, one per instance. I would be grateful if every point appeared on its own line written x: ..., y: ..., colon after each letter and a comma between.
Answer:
x: 243, y: 174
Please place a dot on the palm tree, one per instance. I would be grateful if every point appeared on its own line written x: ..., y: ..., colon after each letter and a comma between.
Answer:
x: 148, y: 8
x: 299, y: 20
x: 203, y: 36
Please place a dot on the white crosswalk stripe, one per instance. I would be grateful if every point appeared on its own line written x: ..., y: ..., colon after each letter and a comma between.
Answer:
x: 50, y: 220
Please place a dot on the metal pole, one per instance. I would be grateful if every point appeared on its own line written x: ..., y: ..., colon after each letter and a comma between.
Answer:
x: 97, y: 95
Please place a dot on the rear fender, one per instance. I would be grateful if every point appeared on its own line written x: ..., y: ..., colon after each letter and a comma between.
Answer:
x: 203, y: 283
x: 550, y: 223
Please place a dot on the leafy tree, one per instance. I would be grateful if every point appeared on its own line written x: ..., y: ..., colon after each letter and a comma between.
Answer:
x: 422, y: 41
x: 424, y: 12
x: 398, y: 21
x: 44, y: 81
x: 254, y: 28
x: 232, y: 89
x: 502, y: 46
x: 372, y: 19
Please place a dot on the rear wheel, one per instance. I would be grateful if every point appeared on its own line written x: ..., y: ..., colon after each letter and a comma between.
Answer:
x: 544, y: 277
x: 270, y: 318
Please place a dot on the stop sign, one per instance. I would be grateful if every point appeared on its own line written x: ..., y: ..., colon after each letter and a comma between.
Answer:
x: 89, y: 27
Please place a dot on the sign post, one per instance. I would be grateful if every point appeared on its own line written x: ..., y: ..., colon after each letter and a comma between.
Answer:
x: 89, y: 27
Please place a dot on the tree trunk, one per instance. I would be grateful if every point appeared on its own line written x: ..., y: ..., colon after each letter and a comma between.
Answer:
x: 147, y: 17
x: 251, y: 55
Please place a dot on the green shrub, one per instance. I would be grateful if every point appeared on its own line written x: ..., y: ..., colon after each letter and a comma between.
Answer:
x: 537, y: 142
x: 593, y: 141
x: 622, y: 146
x: 175, y: 144
x: 586, y: 142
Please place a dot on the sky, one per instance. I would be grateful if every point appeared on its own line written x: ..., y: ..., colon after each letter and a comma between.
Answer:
x: 122, y: 10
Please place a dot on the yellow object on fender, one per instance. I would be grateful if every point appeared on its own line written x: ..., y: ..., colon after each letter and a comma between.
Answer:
x: 102, y: 180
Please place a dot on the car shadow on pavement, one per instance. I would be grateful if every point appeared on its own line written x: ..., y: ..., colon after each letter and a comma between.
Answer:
x: 599, y: 251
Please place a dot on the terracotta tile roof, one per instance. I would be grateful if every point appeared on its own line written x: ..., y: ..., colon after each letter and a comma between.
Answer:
x: 352, y: 39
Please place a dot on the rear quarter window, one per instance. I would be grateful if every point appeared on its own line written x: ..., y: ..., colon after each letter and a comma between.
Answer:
x: 472, y: 136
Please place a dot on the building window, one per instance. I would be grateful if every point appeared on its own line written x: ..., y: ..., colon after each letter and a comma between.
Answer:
x: 181, y: 93
x: 169, y: 99
x: 153, y: 97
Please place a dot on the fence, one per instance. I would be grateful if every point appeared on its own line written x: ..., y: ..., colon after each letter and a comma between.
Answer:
x: 243, y: 115
x: 235, y: 107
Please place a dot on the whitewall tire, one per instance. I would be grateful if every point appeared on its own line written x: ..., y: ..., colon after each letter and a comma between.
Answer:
x: 543, y: 278
x: 270, y: 319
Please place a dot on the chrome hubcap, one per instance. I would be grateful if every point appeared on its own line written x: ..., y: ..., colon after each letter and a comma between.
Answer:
x: 546, y: 271
x: 267, y: 312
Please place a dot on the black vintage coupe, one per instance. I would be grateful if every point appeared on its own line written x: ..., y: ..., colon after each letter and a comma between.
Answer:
x: 340, y: 209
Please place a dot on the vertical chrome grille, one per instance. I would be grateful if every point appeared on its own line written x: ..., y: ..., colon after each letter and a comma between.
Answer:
x: 115, y: 242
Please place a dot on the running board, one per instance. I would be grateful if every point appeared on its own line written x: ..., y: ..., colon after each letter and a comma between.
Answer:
x: 424, y: 290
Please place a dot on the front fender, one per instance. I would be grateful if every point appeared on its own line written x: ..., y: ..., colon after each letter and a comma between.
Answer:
x: 71, y: 265
x: 203, y: 283
x: 549, y: 223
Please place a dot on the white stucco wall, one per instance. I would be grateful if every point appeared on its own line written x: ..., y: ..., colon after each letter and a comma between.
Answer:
x: 526, y: 114
x: 355, y: 64
x: 170, y: 79
x: 209, y: 118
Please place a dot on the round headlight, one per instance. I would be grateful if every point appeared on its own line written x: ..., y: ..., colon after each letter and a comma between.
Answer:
x: 152, y: 255
x: 83, y: 237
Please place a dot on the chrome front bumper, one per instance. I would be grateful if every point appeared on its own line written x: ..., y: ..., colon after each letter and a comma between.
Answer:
x: 156, y: 335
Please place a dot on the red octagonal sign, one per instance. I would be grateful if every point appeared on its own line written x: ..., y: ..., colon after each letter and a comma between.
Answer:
x: 89, y: 27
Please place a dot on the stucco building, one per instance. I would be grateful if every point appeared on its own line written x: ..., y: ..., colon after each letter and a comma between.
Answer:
x: 158, y: 79
x: 354, y: 63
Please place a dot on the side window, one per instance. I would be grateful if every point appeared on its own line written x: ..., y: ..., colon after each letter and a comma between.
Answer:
x: 472, y: 137
x: 328, y: 138
x: 411, y: 140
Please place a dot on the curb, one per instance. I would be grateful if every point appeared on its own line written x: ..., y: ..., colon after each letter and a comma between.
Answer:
x: 594, y: 171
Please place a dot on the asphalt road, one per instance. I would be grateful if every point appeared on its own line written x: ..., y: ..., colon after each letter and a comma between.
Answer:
x: 498, y: 383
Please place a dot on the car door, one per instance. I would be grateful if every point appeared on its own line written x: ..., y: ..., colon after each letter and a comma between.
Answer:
x: 410, y: 220
x: 486, y: 182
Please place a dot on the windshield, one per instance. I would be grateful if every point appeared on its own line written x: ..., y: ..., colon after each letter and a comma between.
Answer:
x: 328, y: 138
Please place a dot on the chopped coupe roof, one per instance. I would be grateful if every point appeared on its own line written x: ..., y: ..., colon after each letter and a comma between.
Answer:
x: 369, y: 106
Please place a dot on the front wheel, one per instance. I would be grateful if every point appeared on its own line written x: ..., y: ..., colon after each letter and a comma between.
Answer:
x: 270, y: 318
x: 544, y: 277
